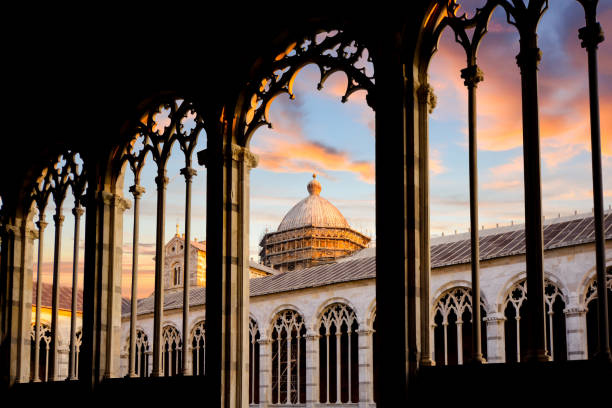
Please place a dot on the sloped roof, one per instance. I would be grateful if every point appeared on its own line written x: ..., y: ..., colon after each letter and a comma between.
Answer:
x: 507, y: 241
x: 65, y: 296
x: 449, y: 250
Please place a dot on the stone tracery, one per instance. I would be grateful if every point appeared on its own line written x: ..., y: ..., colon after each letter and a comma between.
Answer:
x: 288, y: 354
x: 339, y: 377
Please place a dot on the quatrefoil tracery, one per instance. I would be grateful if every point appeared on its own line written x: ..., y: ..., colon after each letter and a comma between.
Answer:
x: 330, y: 51
x: 174, y: 121
x: 67, y: 171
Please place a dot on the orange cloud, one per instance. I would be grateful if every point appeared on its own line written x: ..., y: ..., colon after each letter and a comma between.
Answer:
x: 299, y: 155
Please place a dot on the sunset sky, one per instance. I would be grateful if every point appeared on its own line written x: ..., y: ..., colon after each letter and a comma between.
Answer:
x: 317, y: 133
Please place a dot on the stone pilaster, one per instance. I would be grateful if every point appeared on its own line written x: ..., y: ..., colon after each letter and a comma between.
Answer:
x: 366, y: 374
x: 227, y: 289
x: 496, y: 349
x: 312, y: 369
x: 19, y: 248
x: 575, y: 326
x: 265, y: 375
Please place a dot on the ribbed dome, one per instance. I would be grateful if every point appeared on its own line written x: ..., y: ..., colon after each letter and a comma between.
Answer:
x: 314, y: 211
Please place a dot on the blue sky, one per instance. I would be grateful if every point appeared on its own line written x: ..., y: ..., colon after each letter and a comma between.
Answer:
x: 316, y: 133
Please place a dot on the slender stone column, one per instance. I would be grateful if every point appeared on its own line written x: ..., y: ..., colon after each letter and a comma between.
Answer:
x: 496, y: 348
x: 136, y: 191
x: 591, y: 35
x: 459, y: 325
x: 338, y: 370
x: 58, y: 219
x: 188, y: 172
x: 472, y: 75
x: 41, y: 233
x: 575, y: 326
x: 427, y: 102
x: 162, y: 181
x: 77, y: 211
x: 527, y: 60
x: 366, y: 374
x: 312, y: 369
x: 265, y: 373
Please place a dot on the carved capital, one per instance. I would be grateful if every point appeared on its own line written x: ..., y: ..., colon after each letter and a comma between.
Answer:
x: 494, y: 317
x: 121, y: 203
x: 137, y: 191
x: 161, y: 181
x: 240, y: 153
x: 106, y: 197
x: 58, y: 219
x: 189, y: 173
x: 365, y: 332
x: 426, y: 96
x: 78, y: 211
x: 591, y: 35
x: 264, y: 341
x: 472, y: 75
x: 42, y: 224
x: 529, y: 58
x: 574, y: 310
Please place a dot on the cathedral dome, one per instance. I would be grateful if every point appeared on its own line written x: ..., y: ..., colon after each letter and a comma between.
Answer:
x: 313, y: 211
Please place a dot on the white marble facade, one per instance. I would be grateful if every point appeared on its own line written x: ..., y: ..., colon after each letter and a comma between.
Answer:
x: 571, y: 269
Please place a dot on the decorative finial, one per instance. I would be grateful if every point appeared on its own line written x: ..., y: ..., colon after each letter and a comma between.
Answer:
x: 177, y: 230
x: 314, y: 187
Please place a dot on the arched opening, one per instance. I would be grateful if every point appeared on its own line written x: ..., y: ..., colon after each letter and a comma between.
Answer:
x: 62, y: 184
x: 591, y: 303
x: 254, y: 337
x: 198, y: 349
x: 338, y: 348
x: 155, y: 171
x: 172, y: 348
x: 515, y: 329
x: 44, y: 344
x: 288, y: 358
x: 452, y: 332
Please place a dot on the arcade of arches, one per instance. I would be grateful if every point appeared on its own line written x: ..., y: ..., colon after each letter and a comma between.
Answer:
x: 167, y: 92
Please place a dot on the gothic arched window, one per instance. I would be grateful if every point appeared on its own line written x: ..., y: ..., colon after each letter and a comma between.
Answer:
x: 142, y: 354
x: 172, y: 347
x: 338, y: 355
x: 515, y: 326
x: 64, y: 178
x: 45, y: 343
x: 288, y: 358
x: 591, y: 303
x: 253, y: 362
x: 198, y: 338
x: 453, y: 327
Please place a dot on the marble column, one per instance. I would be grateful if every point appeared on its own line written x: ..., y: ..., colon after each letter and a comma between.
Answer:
x: 427, y: 102
x: 58, y: 219
x: 366, y: 367
x: 312, y: 369
x: 576, y: 335
x: 72, y: 372
x: 265, y: 373
x: 496, y: 348
x: 41, y: 224
x: 591, y: 36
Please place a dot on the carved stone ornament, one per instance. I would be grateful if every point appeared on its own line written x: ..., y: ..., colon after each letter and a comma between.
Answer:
x: 330, y: 51
x: 426, y: 95
x: 240, y: 153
